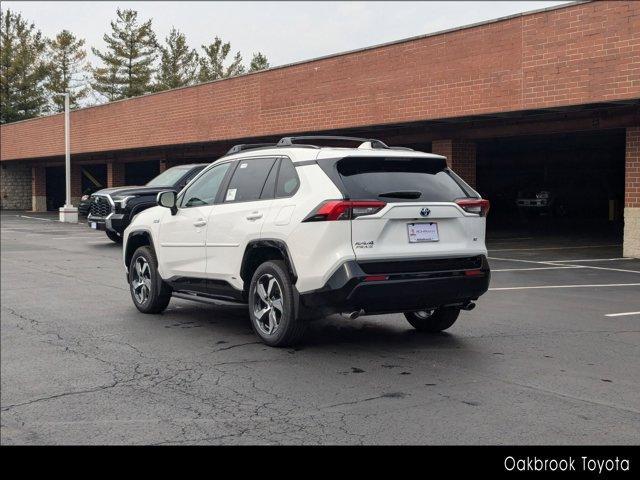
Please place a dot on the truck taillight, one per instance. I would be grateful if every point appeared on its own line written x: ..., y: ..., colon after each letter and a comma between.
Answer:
x: 344, y: 210
x: 474, y: 205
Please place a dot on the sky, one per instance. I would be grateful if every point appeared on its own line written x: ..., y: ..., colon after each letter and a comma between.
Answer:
x: 286, y: 32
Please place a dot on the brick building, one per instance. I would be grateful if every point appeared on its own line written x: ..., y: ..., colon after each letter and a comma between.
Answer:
x: 539, y: 95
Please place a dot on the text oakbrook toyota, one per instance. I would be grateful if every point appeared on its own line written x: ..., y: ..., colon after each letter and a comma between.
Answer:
x: 569, y: 464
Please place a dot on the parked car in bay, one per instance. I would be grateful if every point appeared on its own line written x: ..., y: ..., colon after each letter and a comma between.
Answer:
x: 112, y: 209
x: 85, y: 200
x: 577, y: 197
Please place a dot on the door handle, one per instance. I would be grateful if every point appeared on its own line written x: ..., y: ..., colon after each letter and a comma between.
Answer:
x: 199, y: 223
x: 254, y: 216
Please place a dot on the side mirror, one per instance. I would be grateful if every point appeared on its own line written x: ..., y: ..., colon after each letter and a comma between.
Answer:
x: 167, y: 199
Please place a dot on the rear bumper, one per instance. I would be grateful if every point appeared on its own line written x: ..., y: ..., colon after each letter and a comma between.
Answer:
x: 534, y: 204
x: 350, y: 289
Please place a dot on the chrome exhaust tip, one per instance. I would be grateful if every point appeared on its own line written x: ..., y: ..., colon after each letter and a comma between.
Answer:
x: 468, y: 306
x: 353, y: 315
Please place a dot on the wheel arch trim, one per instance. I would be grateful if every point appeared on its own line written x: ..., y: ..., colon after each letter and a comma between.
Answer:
x: 279, y: 245
x: 128, y: 252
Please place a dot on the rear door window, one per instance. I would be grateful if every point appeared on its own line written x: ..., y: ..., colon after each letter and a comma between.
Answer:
x: 270, y: 185
x: 248, y: 180
x: 394, y: 179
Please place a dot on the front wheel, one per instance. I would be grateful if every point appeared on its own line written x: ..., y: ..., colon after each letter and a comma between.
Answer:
x: 114, y: 237
x: 273, y: 306
x: 433, y: 321
x: 149, y: 293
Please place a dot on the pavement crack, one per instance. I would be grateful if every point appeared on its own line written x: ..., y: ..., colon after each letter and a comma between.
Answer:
x: 368, y: 399
x: 61, y: 395
x: 236, y: 346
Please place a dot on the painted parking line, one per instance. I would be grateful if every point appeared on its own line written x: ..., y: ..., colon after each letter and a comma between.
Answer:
x: 36, y: 218
x: 551, y: 248
x: 612, y: 269
x: 591, y: 260
x: 554, y: 263
x: 624, y: 314
x: 598, y: 285
x: 565, y: 267
x: 77, y: 237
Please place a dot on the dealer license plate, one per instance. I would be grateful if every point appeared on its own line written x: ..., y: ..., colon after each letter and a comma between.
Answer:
x: 423, y: 232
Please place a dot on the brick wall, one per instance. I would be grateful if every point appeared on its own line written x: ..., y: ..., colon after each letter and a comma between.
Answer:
x: 461, y: 157
x: 115, y: 174
x: 579, y: 54
x: 15, y: 181
x: 39, y: 188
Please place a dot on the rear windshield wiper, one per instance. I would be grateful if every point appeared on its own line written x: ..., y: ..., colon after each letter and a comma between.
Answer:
x: 402, y: 194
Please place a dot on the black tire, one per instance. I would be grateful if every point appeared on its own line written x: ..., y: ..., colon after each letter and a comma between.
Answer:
x: 288, y: 328
x: 438, y: 320
x: 159, y: 293
x: 114, y: 237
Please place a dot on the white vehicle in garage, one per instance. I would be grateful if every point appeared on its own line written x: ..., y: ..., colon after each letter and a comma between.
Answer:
x: 298, y: 230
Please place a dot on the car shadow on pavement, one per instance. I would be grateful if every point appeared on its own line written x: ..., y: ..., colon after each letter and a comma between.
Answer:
x: 107, y: 245
x: 333, y: 331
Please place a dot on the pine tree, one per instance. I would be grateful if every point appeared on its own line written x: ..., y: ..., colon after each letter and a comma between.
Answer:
x: 178, y: 62
x: 128, y: 60
x: 66, y: 70
x: 212, y: 62
x: 110, y: 84
x: 22, y: 68
x: 258, y: 62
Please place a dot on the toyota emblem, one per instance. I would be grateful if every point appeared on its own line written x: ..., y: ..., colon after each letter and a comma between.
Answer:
x: 425, y: 212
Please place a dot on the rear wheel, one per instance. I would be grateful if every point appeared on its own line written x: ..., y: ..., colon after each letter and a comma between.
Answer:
x: 114, y: 237
x: 149, y: 293
x: 273, y: 305
x: 433, y: 321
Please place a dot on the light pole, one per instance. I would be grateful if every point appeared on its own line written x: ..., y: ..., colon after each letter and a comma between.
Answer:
x: 68, y: 213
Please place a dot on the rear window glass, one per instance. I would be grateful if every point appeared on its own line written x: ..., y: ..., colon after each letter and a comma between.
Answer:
x: 399, y: 179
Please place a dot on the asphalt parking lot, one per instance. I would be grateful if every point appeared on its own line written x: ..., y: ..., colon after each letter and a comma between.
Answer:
x: 550, y: 355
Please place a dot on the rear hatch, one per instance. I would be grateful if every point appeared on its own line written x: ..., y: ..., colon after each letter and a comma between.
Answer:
x: 409, y: 208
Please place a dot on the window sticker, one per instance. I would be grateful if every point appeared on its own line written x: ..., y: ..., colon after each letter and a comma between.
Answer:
x: 231, y: 195
x: 243, y: 165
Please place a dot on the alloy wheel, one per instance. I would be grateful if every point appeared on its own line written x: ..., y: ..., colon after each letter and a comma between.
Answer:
x: 268, y: 307
x: 141, y: 280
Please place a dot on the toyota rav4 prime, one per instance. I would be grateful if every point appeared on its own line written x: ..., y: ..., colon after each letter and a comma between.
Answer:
x: 296, y: 231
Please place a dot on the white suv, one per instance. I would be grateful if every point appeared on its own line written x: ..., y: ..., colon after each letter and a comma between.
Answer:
x: 297, y: 230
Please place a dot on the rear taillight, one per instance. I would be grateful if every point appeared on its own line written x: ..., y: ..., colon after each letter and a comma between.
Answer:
x: 344, y: 210
x: 474, y: 205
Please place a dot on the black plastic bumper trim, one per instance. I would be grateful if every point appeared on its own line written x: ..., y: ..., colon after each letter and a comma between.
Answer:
x: 348, y: 290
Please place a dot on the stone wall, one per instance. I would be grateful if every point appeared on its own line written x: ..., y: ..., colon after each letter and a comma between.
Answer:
x: 16, y: 186
x: 632, y: 232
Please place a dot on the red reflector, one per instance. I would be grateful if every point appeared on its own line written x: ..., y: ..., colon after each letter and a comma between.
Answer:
x: 375, y: 278
x: 472, y: 273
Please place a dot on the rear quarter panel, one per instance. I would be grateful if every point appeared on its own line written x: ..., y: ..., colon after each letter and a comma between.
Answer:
x: 316, y: 248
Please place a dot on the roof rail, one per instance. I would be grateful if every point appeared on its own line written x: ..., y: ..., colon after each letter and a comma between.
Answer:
x: 247, y: 146
x: 290, y: 141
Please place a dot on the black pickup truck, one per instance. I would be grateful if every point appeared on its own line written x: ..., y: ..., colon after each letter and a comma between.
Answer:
x: 112, y: 209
